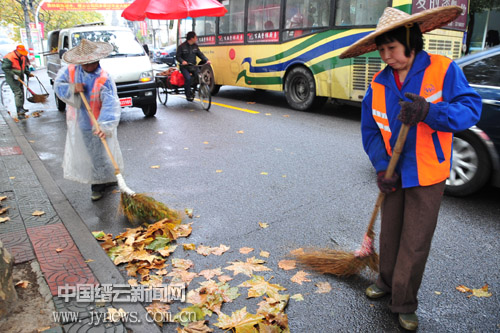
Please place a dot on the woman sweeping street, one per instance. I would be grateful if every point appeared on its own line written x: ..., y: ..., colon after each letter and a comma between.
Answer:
x: 430, y: 94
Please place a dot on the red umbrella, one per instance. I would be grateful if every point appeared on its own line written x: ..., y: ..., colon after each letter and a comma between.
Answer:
x: 172, y: 9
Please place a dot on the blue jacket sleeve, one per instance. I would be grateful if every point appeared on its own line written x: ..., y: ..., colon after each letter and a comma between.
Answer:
x: 373, y: 143
x: 461, y: 105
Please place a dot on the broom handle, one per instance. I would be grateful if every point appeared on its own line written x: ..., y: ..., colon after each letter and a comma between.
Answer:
x: 31, y: 91
x: 398, y: 148
x: 98, y: 128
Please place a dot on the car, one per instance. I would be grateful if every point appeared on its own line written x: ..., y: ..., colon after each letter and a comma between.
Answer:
x: 476, y: 150
x: 165, y: 55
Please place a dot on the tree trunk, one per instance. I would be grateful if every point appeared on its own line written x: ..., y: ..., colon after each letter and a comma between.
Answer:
x: 8, y: 295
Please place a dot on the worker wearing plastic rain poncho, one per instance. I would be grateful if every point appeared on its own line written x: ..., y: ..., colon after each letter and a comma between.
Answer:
x: 85, y: 159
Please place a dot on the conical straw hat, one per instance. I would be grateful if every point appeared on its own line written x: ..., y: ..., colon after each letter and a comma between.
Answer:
x: 393, y: 18
x: 87, y: 52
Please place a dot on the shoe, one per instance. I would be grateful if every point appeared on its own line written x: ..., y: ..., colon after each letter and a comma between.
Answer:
x: 96, y: 195
x: 374, y: 292
x: 190, y: 98
x: 408, y: 321
x: 21, y: 116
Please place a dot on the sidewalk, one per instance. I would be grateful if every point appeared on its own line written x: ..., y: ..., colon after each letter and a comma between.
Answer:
x: 58, y: 240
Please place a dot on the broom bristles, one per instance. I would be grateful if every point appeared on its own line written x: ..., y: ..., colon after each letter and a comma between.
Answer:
x: 139, y: 207
x: 337, y: 262
x: 39, y: 98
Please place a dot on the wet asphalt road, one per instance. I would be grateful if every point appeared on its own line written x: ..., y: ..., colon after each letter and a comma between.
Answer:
x: 307, y: 176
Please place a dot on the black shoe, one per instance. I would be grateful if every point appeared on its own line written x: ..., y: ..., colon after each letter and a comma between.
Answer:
x: 190, y: 98
x: 96, y: 195
x: 374, y: 292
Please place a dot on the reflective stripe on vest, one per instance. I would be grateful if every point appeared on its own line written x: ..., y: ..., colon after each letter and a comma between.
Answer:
x: 12, y: 56
x: 433, y: 148
x: 95, y: 95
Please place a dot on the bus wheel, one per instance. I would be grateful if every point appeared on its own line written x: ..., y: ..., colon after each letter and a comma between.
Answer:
x: 300, y: 89
x: 208, y: 76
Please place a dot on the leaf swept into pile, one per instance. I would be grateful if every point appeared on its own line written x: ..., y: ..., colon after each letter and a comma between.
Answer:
x: 210, y: 273
x: 207, y: 250
x: 240, y: 321
x: 158, y: 311
x: 181, y: 276
x: 287, y: 264
x: 3, y: 210
x: 210, y: 296
x: 196, y: 327
x: 259, y: 286
x: 323, y: 287
x: 248, y: 267
x: 246, y: 250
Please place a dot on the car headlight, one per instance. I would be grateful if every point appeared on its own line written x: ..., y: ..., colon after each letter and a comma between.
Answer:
x: 146, y: 76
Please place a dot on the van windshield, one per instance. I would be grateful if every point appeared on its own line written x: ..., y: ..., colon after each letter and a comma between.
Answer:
x: 124, y: 42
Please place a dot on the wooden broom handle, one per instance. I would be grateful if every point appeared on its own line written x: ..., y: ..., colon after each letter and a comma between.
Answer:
x: 31, y: 91
x: 396, y: 153
x: 98, y: 128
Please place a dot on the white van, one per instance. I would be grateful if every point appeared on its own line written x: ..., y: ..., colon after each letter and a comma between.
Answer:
x: 128, y: 64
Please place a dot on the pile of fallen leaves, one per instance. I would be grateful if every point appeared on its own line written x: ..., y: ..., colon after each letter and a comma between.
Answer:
x: 144, y: 251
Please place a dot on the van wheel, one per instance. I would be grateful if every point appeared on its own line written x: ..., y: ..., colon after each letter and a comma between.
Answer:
x: 471, y: 166
x: 300, y: 89
x: 61, y: 106
x: 150, y: 110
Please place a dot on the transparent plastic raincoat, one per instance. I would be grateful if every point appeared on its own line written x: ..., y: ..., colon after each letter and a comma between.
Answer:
x: 85, y: 159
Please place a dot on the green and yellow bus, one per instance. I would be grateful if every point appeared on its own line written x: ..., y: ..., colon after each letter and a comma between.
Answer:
x: 294, y: 45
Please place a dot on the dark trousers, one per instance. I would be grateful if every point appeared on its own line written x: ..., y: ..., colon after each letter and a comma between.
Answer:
x: 188, y: 79
x: 409, y: 218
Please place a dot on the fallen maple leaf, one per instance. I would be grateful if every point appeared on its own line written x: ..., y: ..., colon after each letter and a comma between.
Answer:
x: 210, y: 273
x: 182, y: 263
x: 248, y: 267
x: 323, y: 287
x: 259, y: 286
x: 287, y: 264
x: 463, y: 289
x: 297, y: 297
x: 155, y: 167
x: 196, y: 327
x: 218, y: 171
x: 246, y: 250
x: 264, y: 254
x: 298, y: 251
x: 481, y: 292
x: 240, y: 132
x: 2, y: 198
x: 188, y: 247
x: 3, y: 210
x: 159, y: 311
x: 240, y: 321
x: 180, y: 275
x: 300, y: 277
x: 185, y: 316
x: 23, y: 284
x: 263, y: 225
x: 264, y: 173
x: 224, y: 278
x: 132, y: 282
x: 98, y: 234
x: 59, y: 250
x: 38, y: 213
x: 4, y: 219
x: 189, y: 212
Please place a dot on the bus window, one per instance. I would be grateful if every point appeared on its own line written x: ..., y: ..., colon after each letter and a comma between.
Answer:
x: 233, y: 20
x: 359, y: 12
x: 263, y: 15
x: 307, y: 14
x: 204, y: 26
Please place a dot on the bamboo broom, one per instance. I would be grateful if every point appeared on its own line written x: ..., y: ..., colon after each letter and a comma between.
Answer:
x: 36, y: 97
x: 344, y: 263
x: 135, y: 206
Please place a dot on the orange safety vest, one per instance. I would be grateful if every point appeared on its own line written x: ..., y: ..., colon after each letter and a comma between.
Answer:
x: 433, y: 148
x: 16, y: 61
x: 95, y: 95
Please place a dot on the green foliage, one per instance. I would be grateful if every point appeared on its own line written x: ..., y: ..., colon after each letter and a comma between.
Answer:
x: 13, y: 16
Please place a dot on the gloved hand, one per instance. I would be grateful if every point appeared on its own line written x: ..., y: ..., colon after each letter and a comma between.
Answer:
x: 16, y: 77
x: 413, y: 112
x: 387, y: 185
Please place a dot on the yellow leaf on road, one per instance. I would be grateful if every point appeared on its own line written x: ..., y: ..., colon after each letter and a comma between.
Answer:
x: 59, y: 250
x: 3, y: 210
x: 287, y: 264
x: 263, y: 225
x: 3, y: 198
x: 297, y: 297
x: 297, y: 252
x: 264, y: 254
x: 155, y: 167
x: 218, y: 171
x: 268, y: 114
x: 189, y: 246
x: 38, y: 213
x: 205, y: 142
x: 189, y: 212
x: 12, y: 177
x: 463, y: 289
x: 300, y: 277
x: 246, y: 250
x: 264, y: 173
x: 4, y: 219
x: 240, y: 132
x: 323, y: 288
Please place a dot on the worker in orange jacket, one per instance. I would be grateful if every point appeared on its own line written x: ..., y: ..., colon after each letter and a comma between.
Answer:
x: 15, y: 64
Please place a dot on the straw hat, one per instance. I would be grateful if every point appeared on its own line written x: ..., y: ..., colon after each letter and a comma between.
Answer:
x: 393, y: 18
x: 87, y: 52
